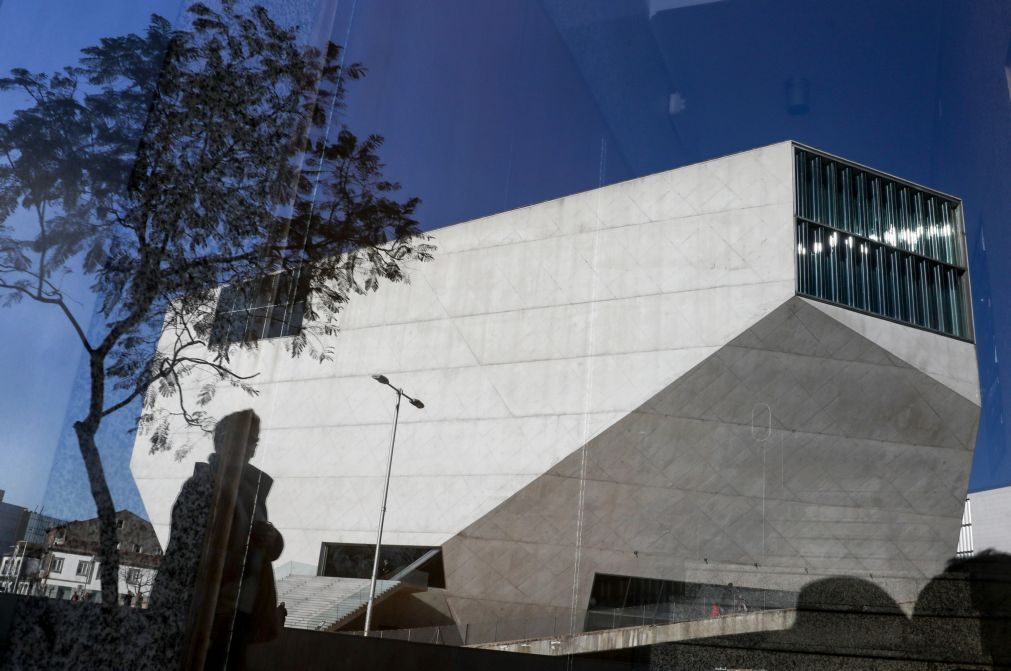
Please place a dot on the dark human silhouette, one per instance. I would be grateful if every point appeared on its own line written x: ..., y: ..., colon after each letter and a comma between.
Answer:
x: 961, y: 620
x: 215, y: 591
x: 970, y: 602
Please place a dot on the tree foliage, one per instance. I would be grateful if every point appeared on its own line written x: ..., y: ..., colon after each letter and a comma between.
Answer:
x: 168, y: 165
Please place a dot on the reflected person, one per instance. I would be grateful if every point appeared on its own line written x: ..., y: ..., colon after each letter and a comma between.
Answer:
x: 965, y: 612
x: 215, y: 591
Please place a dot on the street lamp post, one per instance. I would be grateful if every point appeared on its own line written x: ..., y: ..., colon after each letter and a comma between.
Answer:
x: 382, y: 379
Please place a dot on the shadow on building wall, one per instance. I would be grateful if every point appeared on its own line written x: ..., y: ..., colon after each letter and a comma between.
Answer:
x: 961, y: 619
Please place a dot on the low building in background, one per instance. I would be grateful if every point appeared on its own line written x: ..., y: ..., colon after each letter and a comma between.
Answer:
x: 986, y: 522
x: 65, y: 564
x: 10, y: 523
x: 22, y: 541
x: 17, y: 523
x: 681, y: 396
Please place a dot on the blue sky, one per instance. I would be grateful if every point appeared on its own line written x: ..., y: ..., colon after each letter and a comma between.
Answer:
x: 487, y: 106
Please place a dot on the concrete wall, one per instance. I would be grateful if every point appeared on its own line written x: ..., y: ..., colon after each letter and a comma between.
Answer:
x: 801, y: 449
x: 531, y: 332
x: 732, y: 431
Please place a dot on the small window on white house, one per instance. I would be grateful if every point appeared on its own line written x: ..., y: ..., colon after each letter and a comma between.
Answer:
x: 137, y: 547
x: 56, y: 565
x: 84, y: 568
x: 133, y: 576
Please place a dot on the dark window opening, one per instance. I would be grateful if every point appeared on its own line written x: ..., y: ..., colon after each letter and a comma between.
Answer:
x: 270, y: 307
x: 346, y: 560
x: 624, y: 601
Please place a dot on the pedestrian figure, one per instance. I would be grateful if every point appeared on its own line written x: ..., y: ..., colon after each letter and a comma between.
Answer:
x: 714, y: 612
x: 216, y: 585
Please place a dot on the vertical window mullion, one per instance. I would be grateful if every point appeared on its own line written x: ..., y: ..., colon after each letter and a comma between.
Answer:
x: 912, y: 289
x: 799, y: 256
x: 895, y: 309
x: 845, y: 269
x: 875, y: 213
x: 819, y: 275
x: 865, y: 271
x: 938, y: 296
x: 846, y: 201
x: 952, y: 300
x: 833, y: 200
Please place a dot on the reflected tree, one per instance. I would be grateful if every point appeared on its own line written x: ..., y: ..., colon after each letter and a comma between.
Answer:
x: 165, y: 166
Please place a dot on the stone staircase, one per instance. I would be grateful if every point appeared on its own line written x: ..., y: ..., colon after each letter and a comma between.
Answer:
x: 321, y: 603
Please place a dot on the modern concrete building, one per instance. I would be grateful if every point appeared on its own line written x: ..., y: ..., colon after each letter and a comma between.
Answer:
x: 758, y: 369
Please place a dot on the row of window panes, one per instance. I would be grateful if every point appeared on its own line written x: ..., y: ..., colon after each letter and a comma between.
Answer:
x: 875, y: 207
x: 271, y: 307
x: 84, y: 569
x: 868, y: 276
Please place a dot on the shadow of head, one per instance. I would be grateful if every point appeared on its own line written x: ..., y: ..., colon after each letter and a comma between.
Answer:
x: 842, y: 615
x: 974, y: 592
x: 237, y: 435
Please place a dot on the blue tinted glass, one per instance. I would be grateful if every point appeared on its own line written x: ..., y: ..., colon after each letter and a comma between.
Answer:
x: 892, y: 250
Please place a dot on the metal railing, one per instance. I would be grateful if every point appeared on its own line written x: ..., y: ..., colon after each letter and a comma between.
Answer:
x: 566, y: 622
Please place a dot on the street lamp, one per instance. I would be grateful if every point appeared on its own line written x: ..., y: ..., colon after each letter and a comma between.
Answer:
x: 382, y: 379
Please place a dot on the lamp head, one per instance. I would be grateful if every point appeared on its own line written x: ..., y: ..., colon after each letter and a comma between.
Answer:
x: 416, y: 403
x: 381, y: 379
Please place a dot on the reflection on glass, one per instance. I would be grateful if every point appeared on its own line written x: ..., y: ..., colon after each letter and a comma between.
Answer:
x: 877, y: 245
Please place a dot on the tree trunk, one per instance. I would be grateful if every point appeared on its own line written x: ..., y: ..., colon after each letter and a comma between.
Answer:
x: 108, y: 554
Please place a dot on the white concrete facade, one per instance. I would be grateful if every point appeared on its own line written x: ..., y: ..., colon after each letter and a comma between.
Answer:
x: 530, y: 333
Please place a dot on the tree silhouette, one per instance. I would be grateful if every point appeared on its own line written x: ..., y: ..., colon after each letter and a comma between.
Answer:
x: 166, y: 166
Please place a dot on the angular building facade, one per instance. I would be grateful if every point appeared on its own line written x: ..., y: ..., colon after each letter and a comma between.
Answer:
x: 756, y: 370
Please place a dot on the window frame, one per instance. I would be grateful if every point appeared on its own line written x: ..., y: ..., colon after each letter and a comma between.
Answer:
x: 816, y: 210
x: 84, y: 568
x: 261, y: 300
x: 56, y: 565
